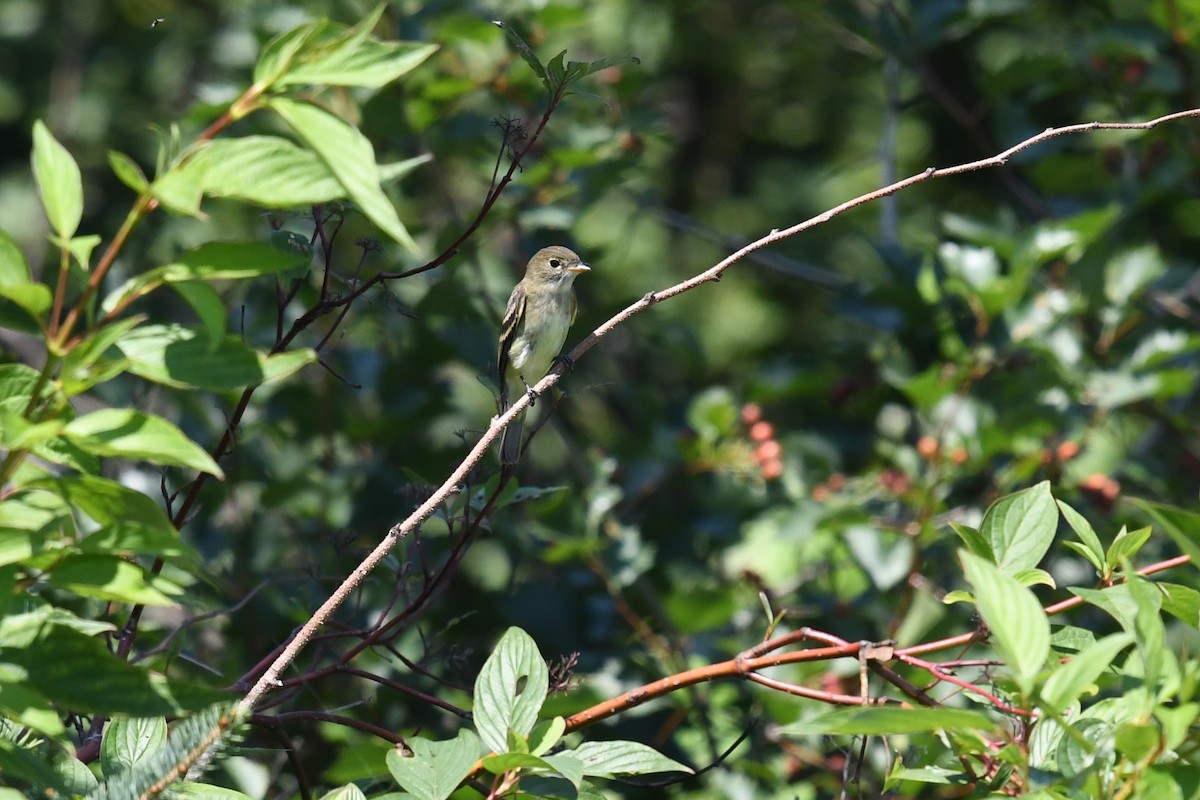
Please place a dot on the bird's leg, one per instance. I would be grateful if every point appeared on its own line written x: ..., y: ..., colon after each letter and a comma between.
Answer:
x: 567, y: 361
x: 533, y: 396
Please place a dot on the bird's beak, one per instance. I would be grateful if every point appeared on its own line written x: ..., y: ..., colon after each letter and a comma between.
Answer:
x: 580, y: 267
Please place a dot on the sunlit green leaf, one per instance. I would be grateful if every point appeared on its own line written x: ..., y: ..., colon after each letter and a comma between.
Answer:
x: 58, y: 181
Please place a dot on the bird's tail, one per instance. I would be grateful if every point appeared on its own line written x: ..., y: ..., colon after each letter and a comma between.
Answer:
x: 510, y: 441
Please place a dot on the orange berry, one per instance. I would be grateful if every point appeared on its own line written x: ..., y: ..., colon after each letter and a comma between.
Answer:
x: 767, y: 451
x: 821, y: 493
x: 927, y: 447
x: 958, y: 455
x: 1067, y: 450
x: 751, y: 413
x: 762, y: 431
x: 772, y: 468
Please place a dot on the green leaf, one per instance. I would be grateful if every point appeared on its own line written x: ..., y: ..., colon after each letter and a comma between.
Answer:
x: 17, y: 546
x: 510, y: 761
x: 1148, y: 628
x: 1127, y: 274
x: 973, y: 540
x: 1018, y: 625
x: 78, y: 672
x: 568, y: 766
x: 1126, y: 545
x: 20, y: 433
x: 371, y: 64
x: 1136, y: 741
x: 19, y: 762
x: 1091, y: 547
x: 282, y: 365
x: 1182, y: 602
x: 79, y: 369
x: 129, y: 741
x: 33, y: 510
x: 112, y: 578
x: 21, y: 704
x: 605, y: 62
x: 208, y: 305
x: 435, y: 769
x: 1068, y: 681
x: 351, y: 158
x: 525, y: 50
x: 128, y: 172
x: 209, y: 262
x: 885, y: 721
x: 1182, y: 525
x: 58, y: 180
x: 179, y: 356
x: 1020, y: 527
x: 348, y: 792
x: 180, y: 190
x: 131, y: 538
x: 1177, y: 722
x: 189, y: 790
x: 80, y: 248
x: 16, y: 284
x: 125, y: 433
x: 279, y: 53
x: 510, y: 690
x: 106, y: 501
x: 271, y: 171
x: 1034, y: 577
x: 546, y: 735
x: 556, y: 73
x: 14, y: 270
x: 607, y: 759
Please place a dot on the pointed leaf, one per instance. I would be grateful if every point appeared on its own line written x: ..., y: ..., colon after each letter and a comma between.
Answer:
x: 17, y: 285
x: 1068, y: 681
x: 1021, y: 527
x: 58, y: 180
x: 350, y: 157
x: 279, y: 53
x: 524, y: 49
x: 1182, y: 525
x: 510, y: 690
x: 179, y: 356
x: 1090, y: 548
x: 434, y: 770
x: 110, y: 577
x: 78, y: 672
x: 606, y: 759
x: 129, y: 741
x: 1018, y: 625
x: 885, y: 721
x: 370, y: 64
x: 125, y: 433
x: 128, y: 172
x: 106, y: 501
x: 282, y: 365
x: 209, y: 262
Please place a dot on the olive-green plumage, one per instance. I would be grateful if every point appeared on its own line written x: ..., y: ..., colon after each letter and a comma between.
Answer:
x: 540, y: 310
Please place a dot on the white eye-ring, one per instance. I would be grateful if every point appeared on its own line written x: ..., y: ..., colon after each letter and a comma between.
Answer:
x: 554, y: 262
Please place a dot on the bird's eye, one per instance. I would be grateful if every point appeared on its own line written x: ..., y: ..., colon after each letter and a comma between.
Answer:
x: 554, y: 262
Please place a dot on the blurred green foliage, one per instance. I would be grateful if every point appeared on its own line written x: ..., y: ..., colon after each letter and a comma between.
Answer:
x: 802, y: 434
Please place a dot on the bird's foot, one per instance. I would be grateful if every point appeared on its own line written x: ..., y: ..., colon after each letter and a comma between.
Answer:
x: 533, y: 396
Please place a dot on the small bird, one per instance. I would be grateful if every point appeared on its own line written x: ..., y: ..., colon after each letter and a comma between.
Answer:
x: 540, y: 310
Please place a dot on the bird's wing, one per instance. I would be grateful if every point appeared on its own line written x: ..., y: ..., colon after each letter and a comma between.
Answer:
x: 511, y: 323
